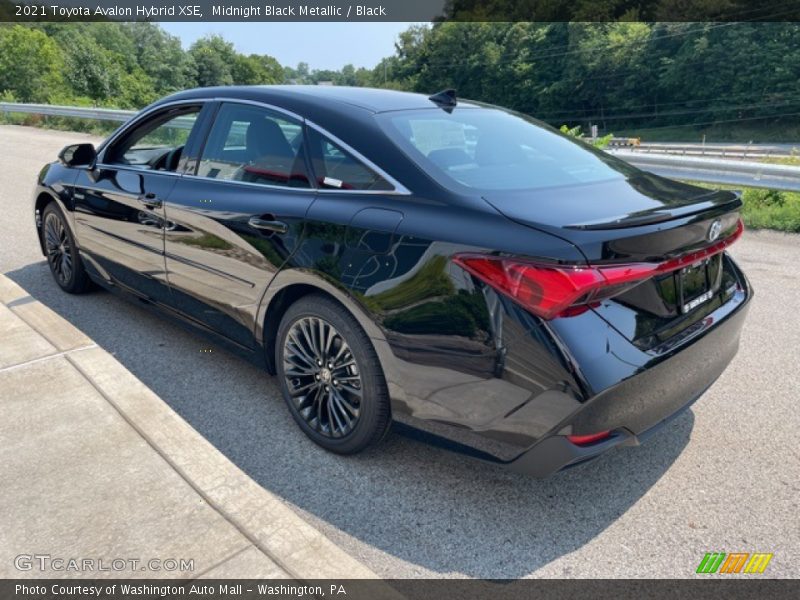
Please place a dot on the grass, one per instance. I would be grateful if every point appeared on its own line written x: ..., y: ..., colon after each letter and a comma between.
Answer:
x: 793, y: 160
x: 766, y: 209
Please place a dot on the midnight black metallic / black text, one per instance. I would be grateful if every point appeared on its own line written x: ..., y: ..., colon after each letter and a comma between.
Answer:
x: 304, y: 10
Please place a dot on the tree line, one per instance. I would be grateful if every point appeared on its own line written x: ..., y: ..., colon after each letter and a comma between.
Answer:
x: 617, y: 75
x: 123, y: 65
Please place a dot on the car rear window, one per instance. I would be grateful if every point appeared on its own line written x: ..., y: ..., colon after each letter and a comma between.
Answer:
x: 491, y: 150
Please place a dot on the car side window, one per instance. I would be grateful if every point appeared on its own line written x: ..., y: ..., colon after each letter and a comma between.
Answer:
x: 254, y: 145
x: 158, y: 143
x: 336, y: 168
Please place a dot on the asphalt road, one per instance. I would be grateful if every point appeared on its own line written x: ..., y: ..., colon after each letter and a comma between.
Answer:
x: 723, y: 477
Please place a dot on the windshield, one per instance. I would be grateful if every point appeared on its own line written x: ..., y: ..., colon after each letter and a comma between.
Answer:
x: 492, y: 150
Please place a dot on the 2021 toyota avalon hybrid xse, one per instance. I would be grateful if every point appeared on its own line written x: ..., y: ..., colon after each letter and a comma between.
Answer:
x: 468, y: 272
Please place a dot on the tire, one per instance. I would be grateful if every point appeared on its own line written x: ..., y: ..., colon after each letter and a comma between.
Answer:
x: 315, y: 330
x: 62, y: 253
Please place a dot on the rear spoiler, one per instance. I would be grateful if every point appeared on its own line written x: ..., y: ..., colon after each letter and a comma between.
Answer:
x: 659, y: 216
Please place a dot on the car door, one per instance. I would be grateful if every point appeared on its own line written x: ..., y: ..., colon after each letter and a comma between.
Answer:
x: 236, y: 215
x: 119, y: 204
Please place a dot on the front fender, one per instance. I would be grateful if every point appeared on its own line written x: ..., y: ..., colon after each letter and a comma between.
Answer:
x: 54, y: 184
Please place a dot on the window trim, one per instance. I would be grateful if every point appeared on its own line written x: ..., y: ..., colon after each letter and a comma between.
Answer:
x: 399, y: 188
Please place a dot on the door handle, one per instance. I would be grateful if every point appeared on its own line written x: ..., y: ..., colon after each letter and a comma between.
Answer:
x: 149, y: 200
x: 274, y: 226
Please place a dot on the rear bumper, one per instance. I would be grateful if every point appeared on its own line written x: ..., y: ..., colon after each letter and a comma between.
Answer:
x: 557, y: 453
x: 512, y: 394
x: 639, y: 406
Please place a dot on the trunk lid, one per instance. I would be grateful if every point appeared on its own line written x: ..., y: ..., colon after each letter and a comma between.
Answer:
x: 642, y: 218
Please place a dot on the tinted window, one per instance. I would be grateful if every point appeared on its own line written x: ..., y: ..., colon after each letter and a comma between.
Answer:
x: 157, y: 143
x: 496, y: 150
x: 255, y: 145
x: 335, y: 168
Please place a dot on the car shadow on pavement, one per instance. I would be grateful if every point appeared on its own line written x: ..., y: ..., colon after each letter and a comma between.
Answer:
x: 405, y: 508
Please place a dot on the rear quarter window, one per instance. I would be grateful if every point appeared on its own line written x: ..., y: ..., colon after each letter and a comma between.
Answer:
x: 336, y: 168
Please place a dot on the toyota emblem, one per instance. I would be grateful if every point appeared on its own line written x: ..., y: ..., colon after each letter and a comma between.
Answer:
x: 714, y: 230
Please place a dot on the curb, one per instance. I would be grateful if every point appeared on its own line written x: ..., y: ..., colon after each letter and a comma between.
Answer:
x: 262, y: 517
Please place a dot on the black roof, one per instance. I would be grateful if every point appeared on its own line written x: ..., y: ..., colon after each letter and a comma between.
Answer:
x: 287, y: 96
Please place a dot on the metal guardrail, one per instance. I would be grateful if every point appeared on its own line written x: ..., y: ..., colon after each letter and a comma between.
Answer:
x: 93, y: 114
x: 669, y: 160
x: 727, y: 151
x: 717, y: 170
x: 96, y: 114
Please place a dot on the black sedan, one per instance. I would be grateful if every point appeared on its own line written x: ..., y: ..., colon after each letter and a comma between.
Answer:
x: 468, y: 273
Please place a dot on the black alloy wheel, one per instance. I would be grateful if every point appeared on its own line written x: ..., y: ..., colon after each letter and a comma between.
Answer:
x: 322, y: 377
x: 330, y: 376
x: 59, y: 250
x: 62, y: 255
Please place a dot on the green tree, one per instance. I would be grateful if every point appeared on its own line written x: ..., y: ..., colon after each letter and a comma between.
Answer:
x: 300, y: 74
x: 624, y: 76
x: 90, y: 69
x: 30, y: 64
x: 256, y: 69
x: 161, y: 56
x: 136, y: 89
x: 213, y: 59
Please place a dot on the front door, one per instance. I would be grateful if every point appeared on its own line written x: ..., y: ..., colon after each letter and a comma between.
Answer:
x: 119, y: 204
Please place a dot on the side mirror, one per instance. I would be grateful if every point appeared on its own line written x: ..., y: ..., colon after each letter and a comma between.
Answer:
x: 78, y: 155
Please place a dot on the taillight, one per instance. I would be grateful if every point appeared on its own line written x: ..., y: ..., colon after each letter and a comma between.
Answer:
x: 549, y: 291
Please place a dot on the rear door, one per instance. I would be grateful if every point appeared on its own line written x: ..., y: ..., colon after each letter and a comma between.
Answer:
x: 119, y: 204
x: 236, y: 215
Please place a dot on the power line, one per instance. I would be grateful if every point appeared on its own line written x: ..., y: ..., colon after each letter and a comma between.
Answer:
x: 765, y: 18
x: 580, y: 113
x: 625, y: 44
x: 718, y: 108
x: 547, y: 55
x: 625, y: 73
x: 717, y: 122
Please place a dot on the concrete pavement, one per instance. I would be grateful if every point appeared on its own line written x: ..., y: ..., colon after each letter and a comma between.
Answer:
x: 97, y: 467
